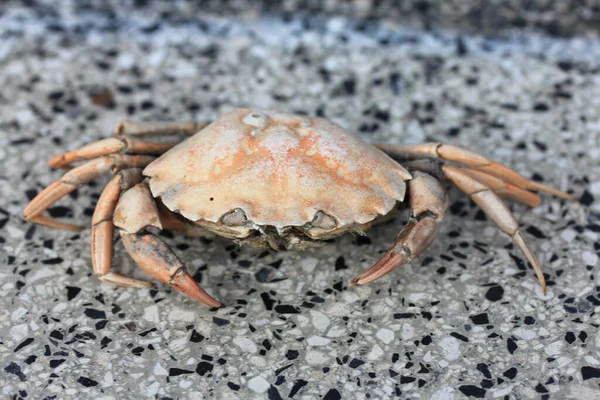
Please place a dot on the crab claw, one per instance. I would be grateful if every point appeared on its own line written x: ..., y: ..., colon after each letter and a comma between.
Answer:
x: 416, y: 236
x: 183, y: 282
x: 390, y: 261
x: 157, y: 259
x: 429, y: 202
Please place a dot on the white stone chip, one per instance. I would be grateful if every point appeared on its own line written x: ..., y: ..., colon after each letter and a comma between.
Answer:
x: 152, y: 389
x: 446, y: 393
x: 258, y: 384
x: 308, y: 264
x: 525, y: 334
x: 450, y: 348
x: 318, y: 341
x: 245, y: 344
x: 385, y: 335
x: 315, y: 357
x: 320, y: 320
x: 151, y: 314
x: 554, y: 348
x: 178, y: 314
x: 375, y: 353
x: 568, y: 235
x: 589, y: 258
x: 19, y: 332
x: 159, y: 370
x: 408, y: 332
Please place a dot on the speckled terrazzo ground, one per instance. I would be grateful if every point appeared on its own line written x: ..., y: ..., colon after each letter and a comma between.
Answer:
x: 466, y: 320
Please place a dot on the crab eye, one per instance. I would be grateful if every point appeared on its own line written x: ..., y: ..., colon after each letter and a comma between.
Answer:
x: 323, y: 221
x: 236, y: 217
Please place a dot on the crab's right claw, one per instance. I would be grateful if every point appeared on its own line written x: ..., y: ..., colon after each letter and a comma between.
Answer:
x: 156, y: 258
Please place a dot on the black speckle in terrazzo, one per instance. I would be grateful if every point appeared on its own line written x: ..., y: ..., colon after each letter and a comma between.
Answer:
x: 220, y: 321
x: 473, y: 391
x: 355, y: 363
x: 298, y: 385
x: 15, y: 369
x: 95, y: 314
x: 459, y: 337
x: 87, y: 382
x: 204, y: 368
x: 480, y: 319
x: 286, y: 309
x: 510, y: 373
x: 495, y: 293
x: 332, y: 394
x: 24, y: 344
x: 268, y: 301
x: 179, y: 371
x: 511, y: 345
x: 273, y: 393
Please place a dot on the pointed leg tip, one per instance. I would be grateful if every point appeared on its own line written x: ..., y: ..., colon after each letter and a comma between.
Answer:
x: 355, y: 281
x: 535, y: 203
x: 550, y: 190
x: 544, y: 288
x: 566, y: 196
x: 210, y: 301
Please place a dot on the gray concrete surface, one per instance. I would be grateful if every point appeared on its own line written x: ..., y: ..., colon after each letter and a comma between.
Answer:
x: 467, y: 320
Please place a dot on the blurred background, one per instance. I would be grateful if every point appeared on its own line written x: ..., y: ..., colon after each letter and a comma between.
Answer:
x: 552, y: 17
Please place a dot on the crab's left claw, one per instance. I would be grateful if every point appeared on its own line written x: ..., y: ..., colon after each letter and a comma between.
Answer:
x: 429, y: 202
x: 412, y: 241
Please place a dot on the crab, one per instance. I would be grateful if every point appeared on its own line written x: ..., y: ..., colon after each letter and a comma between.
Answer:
x: 272, y: 179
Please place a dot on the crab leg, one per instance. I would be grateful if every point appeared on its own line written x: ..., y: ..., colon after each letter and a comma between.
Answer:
x: 71, y: 181
x: 152, y: 129
x: 93, y: 150
x: 471, y: 159
x: 135, y: 211
x: 429, y: 202
x: 107, y: 147
x: 103, y: 229
x: 498, y: 212
x: 128, y: 142
x: 503, y: 189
